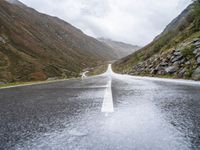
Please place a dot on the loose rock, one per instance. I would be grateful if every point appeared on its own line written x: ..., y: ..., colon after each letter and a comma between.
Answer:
x: 171, y: 69
x: 2, y: 83
x: 198, y: 60
x: 177, y: 58
x: 196, y: 74
x: 2, y: 40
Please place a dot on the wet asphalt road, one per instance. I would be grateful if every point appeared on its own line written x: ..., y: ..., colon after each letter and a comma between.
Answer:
x: 149, y: 114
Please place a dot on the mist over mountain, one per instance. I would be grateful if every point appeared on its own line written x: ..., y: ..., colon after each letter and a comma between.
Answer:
x: 120, y: 48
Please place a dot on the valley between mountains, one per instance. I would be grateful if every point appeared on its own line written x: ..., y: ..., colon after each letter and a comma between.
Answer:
x: 38, y: 47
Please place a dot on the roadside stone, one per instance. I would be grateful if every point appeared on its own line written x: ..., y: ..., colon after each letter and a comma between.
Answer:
x: 171, y: 69
x: 151, y: 66
x: 177, y: 58
x: 163, y: 64
x: 195, y: 40
x: 161, y: 72
x: 198, y: 60
x: 153, y: 71
x: 196, y: 51
x: 172, y: 57
x: 197, y: 43
x: 177, y: 63
x: 196, y: 74
x: 181, y: 73
x: 2, y: 40
x: 2, y: 83
x: 183, y: 61
x: 131, y: 73
x: 158, y: 67
x: 188, y: 63
x: 177, y: 53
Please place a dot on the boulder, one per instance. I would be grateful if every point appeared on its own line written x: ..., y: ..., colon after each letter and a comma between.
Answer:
x: 158, y: 67
x: 172, y: 57
x: 196, y: 74
x: 198, y: 60
x: 151, y: 66
x: 163, y: 64
x: 2, y: 40
x: 177, y: 53
x: 181, y: 73
x: 196, y: 51
x: 197, y: 44
x: 177, y: 58
x: 153, y: 71
x: 177, y: 63
x: 183, y: 61
x: 2, y: 83
x: 188, y: 63
x: 171, y: 69
x: 195, y: 40
x: 161, y: 72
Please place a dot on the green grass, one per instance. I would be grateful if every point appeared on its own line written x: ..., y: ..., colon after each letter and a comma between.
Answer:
x: 188, y: 51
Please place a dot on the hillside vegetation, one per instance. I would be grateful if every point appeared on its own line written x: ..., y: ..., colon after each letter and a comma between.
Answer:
x: 174, y: 53
x: 35, y: 46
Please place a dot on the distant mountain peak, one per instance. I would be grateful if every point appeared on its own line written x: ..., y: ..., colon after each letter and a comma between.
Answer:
x: 16, y: 2
x: 120, y: 48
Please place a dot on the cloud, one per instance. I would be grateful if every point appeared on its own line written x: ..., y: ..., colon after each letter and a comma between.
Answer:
x: 131, y: 21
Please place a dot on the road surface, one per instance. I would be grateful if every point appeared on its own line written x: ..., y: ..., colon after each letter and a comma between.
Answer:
x: 105, y: 112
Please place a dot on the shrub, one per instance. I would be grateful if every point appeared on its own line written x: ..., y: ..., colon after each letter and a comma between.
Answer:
x: 188, y: 51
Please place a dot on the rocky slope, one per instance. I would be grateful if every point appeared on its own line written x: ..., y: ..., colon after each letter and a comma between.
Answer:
x: 35, y: 46
x: 182, y: 62
x: 121, y: 49
x: 174, y: 53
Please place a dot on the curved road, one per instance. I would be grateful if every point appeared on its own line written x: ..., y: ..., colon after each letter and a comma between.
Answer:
x: 106, y: 112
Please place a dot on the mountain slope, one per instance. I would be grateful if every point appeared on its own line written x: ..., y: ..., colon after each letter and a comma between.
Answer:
x: 174, y: 53
x: 120, y: 48
x: 35, y: 46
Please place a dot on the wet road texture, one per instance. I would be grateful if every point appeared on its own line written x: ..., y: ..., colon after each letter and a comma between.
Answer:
x: 105, y: 112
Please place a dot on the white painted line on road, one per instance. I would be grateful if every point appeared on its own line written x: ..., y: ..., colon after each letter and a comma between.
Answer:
x: 107, y: 106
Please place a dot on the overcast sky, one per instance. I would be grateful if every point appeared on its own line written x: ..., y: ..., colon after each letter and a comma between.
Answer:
x: 131, y: 21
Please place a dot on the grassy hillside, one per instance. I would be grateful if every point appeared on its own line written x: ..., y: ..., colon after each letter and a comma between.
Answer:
x: 177, y: 47
x: 35, y: 46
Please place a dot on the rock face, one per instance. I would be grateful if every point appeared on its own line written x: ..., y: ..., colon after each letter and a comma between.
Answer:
x: 178, y: 63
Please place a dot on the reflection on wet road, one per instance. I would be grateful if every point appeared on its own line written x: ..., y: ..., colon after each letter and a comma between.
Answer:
x: 147, y: 114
